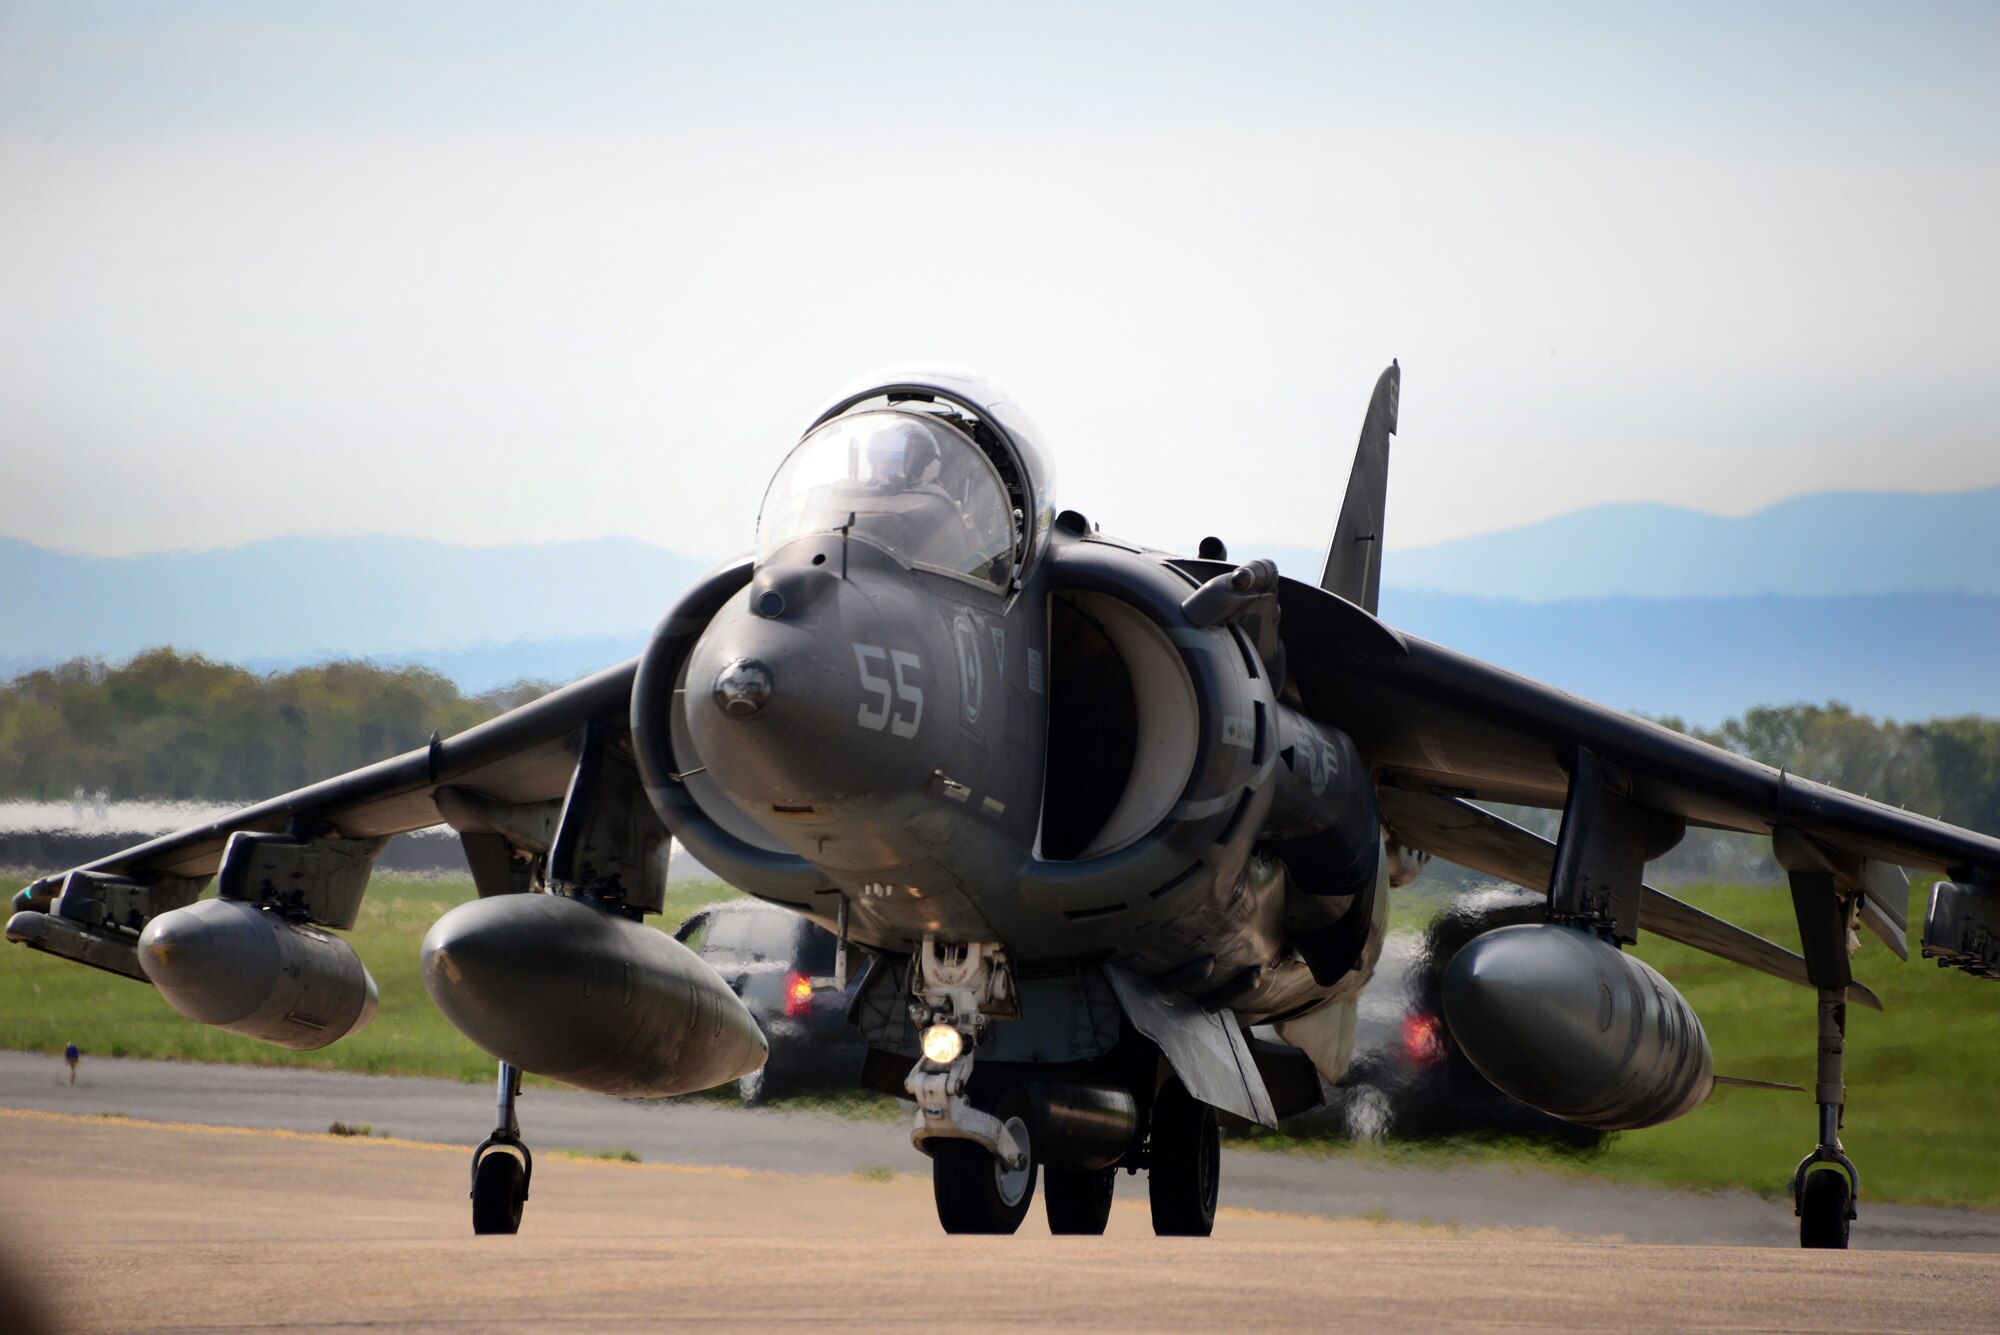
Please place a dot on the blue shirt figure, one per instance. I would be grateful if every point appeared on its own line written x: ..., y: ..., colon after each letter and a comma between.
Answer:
x: 70, y: 1055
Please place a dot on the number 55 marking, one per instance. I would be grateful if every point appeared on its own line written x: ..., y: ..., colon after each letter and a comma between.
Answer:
x: 887, y: 709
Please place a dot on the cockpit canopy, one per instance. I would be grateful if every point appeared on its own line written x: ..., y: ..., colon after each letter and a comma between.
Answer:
x: 909, y: 482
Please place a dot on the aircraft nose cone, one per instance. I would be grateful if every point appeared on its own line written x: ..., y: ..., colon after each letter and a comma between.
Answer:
x: 743, y: 687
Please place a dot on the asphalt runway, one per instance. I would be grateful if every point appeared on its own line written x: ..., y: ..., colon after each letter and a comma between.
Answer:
x: 717, y: 1133
x: 117, y: 1225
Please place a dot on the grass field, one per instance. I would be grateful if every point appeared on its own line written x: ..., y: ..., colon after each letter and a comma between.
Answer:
x: 1923, y: 1078
x: 1923, y: 1075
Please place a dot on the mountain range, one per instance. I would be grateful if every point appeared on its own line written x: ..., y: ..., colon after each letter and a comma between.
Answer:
x: 1833, y: 544
x: 1889, y: 602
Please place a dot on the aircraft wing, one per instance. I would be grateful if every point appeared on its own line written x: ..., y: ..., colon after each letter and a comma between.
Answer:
x: 1460, y: 832
x: 1430, y: 720
x: 525, y: 755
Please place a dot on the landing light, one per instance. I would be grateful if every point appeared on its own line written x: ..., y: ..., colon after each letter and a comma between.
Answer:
x: 942, y: 1044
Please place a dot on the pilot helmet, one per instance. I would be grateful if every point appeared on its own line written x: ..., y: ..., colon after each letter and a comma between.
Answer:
x: 898, y: 451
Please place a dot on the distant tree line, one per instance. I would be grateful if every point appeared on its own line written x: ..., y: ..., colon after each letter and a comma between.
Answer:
x: 1946, y: 767
x: 174, y: 726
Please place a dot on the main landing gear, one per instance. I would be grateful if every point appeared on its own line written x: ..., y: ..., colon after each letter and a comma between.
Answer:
x: 1184, y: 1164
x: 502, y: 1166
x: 1078, y: 1200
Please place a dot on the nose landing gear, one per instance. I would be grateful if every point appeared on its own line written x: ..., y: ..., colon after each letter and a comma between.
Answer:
x: 983, y: 1164
x: 989, y: 1139
x: 982, y: 1192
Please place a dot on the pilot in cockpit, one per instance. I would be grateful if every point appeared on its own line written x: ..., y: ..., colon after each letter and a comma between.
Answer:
x: 899, y: 455
x: 925, y: 501
x: 913, y: 484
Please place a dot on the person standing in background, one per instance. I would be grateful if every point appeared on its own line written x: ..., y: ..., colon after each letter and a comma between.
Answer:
x: 72, y: 1056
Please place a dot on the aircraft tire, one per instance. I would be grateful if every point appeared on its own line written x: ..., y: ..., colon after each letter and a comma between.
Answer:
x: 1185, y: 1172
x: 1078, y: 1200
x: 1823, y: 1211
x: 498, y: 1194
x: 975, y: 1192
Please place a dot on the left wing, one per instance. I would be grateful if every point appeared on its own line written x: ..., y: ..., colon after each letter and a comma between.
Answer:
x: 1432, y: 720
x: 1440, y: 729
x: 1460, y: 832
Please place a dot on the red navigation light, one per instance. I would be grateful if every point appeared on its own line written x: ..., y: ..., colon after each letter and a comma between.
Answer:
x: 1423, y: 1040
x: 798, y: 994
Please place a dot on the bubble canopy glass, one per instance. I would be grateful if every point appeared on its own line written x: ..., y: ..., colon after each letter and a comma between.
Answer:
x: 915, y: 486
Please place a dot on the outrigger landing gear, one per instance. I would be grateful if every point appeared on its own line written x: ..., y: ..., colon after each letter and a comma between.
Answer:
x: 501, y: 1165
x: 1826, y: 1184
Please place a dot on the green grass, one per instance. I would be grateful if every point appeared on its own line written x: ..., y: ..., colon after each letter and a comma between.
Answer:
x: 46, y: 1002
x: 1923, y: 1075
x: 1923, y: 1080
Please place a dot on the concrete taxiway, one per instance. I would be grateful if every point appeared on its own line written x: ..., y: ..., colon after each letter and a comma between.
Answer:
x: 118, y: 1225
x: 717, y: 1133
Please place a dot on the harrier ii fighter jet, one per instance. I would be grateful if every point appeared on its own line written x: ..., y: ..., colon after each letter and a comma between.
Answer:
x: 1111, y: 830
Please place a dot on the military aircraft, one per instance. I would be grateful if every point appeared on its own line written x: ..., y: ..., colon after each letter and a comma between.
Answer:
x: 1113, y: 828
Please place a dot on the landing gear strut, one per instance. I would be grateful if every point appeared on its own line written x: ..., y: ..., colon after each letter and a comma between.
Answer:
x: 1825, y: 894
x: 1826, y: 1183
x: 983, y: 1164
x: 499, y: 1177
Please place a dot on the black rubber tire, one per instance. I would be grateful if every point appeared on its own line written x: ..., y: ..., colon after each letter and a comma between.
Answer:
x: 1823, y: 1210
x: 499, y: 1191
x: 1078, y: 1200
x: 968, y: 1182
x: 1184, y: 1173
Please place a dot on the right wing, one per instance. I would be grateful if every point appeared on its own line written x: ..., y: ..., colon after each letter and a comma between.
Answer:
x: 523, y: 756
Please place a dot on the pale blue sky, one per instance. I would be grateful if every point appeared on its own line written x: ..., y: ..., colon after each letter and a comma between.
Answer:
x: 531, y: 272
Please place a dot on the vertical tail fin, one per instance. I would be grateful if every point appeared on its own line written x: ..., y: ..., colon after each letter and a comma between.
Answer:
x: 1354, y: 558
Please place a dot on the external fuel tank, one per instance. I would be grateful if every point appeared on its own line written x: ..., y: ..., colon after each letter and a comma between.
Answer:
x: 561, y: 988
x: 1565, y: 1022
x: 245, y: 968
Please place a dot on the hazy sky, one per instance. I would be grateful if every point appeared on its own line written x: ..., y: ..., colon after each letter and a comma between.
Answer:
x: 497, y: 273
